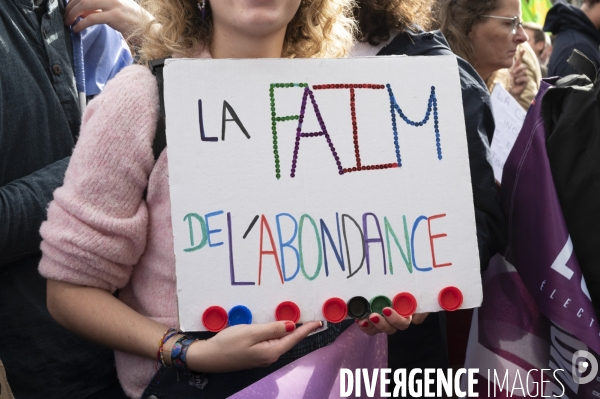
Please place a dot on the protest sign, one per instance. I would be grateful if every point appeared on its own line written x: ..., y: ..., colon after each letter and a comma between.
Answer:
x: 509, y: 117
x: 306, y: 180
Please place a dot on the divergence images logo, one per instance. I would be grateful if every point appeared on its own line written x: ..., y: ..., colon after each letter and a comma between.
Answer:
x: 584, y: 363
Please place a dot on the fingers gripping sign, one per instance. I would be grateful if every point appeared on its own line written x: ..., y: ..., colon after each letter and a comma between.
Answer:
x: 389, y: 322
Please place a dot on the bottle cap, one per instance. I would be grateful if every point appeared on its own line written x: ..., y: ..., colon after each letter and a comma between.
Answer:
x: 358, y: 307
x: 335, y: 310
x: 450, y: 298
x: 287, y: 310
x: 214, y: 318
x: 405, y: 304
x: 240, y: 315
x: 379, y: 302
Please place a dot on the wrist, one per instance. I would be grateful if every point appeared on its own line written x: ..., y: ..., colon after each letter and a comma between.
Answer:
x: 167, y: 349
x: 197, y: 356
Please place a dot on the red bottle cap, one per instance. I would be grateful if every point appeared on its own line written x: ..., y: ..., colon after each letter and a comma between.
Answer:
x: 287, y: 310
x: 335, y: 310
x: 450, y: 298
x: 214, y: 318
x: 405, y: 304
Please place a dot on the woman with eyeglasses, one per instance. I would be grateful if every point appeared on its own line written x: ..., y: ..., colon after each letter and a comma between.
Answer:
x: 488, y: 34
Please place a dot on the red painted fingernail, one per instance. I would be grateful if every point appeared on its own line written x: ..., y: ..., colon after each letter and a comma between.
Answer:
x: 289, y: 326
x: 365, y: 324
x: 387, y: 312
x: 374, y: 319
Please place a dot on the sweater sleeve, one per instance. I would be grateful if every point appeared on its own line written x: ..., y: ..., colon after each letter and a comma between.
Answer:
x: 96, y: 227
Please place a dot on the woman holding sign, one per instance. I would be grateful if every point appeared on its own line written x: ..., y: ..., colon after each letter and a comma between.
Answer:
x: 109, y: 227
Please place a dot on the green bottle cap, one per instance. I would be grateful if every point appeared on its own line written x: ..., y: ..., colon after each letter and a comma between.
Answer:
x: 380, y: 302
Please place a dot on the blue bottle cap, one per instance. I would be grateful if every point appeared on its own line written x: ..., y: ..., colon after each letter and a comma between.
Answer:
x: 240, y: 315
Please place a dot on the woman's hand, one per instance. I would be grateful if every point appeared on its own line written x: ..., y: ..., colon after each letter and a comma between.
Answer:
x: 121, y: 15
x: 389, y: 323
x: 518, y: 77
x: 246, y: 346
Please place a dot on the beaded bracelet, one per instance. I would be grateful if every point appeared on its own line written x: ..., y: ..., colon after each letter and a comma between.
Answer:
x: 179, y: 353
x: 170, y: 333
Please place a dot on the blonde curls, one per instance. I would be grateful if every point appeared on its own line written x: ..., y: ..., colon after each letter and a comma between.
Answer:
x: 320, y: 29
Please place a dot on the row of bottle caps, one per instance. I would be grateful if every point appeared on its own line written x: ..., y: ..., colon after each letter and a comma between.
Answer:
x: 334, y: 310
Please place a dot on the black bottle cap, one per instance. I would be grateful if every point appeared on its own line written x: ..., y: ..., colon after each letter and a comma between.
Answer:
x: 358, y: 307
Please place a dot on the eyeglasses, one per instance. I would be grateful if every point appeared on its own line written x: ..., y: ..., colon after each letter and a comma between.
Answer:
x: 516, y: 21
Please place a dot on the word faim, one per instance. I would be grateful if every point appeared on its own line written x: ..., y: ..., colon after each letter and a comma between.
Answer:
x: 323, y: 133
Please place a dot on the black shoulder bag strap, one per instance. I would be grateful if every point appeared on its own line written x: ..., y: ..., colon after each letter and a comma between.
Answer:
x: 583, y: 65
x: 160, y: 139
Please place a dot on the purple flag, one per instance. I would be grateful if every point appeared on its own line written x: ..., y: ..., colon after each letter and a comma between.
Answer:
x: 317, y: 375
x: 539, y: 244
x: 539, y: 318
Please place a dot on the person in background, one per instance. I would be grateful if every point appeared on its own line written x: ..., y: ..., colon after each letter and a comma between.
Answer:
x: 487, y: 34
x: 528, y: 60
x: 547, y: 53
x: 575, y: 28
x: 535, y: 10
x: 396, y: 27
x: 539, y: 41
x: 39, y: 122
x: 537, y: 37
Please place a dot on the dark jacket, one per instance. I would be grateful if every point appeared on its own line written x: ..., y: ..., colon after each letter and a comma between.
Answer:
x: 39, y: 118
x: 479, y: 123
x: 573, y: 30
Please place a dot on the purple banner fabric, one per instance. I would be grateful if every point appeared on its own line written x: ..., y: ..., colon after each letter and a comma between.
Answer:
x: 511, y: 342
x: 539, y: 244
x: 317, y: 375
x: 536, y: 314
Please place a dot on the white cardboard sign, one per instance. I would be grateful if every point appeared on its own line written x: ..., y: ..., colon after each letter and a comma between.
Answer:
x: 293, y: 180
x: 509, y: 117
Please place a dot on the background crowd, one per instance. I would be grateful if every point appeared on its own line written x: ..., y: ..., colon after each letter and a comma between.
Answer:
x: 56, y: 57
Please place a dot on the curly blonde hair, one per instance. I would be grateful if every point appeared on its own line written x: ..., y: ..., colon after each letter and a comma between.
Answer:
x: 319, y: 29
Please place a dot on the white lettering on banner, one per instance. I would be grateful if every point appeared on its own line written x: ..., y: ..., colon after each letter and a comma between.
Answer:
x: 561, y: 354
x: 562, y: 297
x: 560, y: 263
x: 567, y: 302
x: 584, y: 288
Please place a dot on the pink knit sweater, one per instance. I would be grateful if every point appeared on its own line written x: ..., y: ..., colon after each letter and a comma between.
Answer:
x: 100, y: 231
